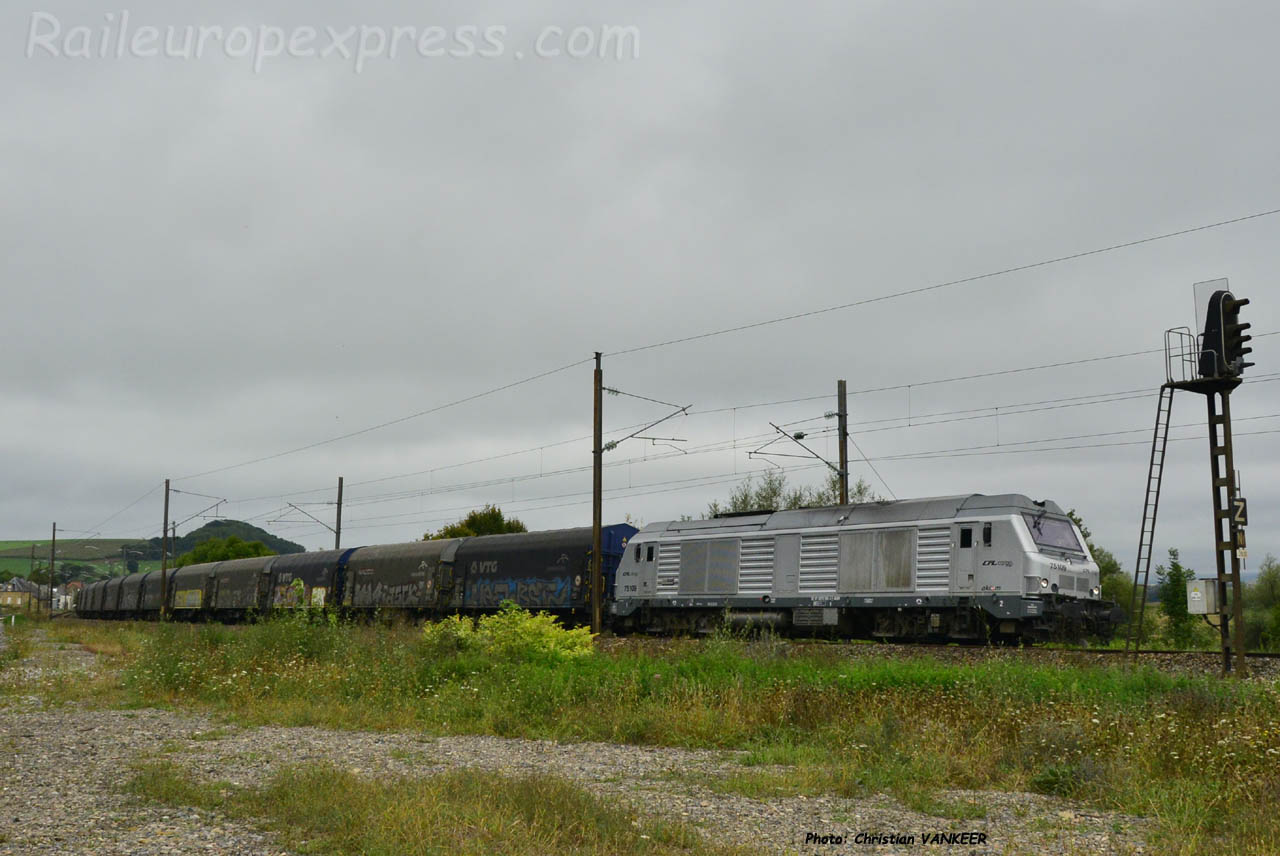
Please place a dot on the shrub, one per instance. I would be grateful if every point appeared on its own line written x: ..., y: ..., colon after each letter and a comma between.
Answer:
x: 449, y: 635
x: 512, y: 633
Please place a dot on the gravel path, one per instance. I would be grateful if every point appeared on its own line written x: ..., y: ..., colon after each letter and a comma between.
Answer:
x: 62, y: 769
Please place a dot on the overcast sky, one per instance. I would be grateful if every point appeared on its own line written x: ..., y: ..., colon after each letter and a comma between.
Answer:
x: 206, y: 263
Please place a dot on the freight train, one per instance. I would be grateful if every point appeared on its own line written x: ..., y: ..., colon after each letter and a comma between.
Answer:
x: 973, y: 568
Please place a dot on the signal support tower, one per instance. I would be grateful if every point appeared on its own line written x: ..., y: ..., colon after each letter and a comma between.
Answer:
x: 1210, y: 364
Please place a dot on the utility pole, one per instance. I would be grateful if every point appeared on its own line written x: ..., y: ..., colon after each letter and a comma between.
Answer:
x: 337, y: 529
x: 597, y: 484
x: 164, y: 556
x: 31, y: 574
x: 53, y: 552
x: 842, y: 411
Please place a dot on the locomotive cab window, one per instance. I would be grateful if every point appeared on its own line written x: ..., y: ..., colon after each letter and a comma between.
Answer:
x: 966, y: 539
x: 986, y: 534
x: 637, y: 552
x: 649, y: 554
x: 1053, y: 533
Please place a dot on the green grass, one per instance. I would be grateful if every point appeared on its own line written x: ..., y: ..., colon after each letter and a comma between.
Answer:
x: 15, y: 545
x: 319, y: 808
x: 103, y: 554
x: 22, y: 567
x: 1200, y: 755
x: 17, y: 639
x: 71, y: 549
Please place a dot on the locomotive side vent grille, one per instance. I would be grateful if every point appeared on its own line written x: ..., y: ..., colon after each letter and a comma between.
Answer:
x: 933, y: 559
x: 815, y: 616
x: 755, y: 566
x: 668, y: 568
x: 819, y: 563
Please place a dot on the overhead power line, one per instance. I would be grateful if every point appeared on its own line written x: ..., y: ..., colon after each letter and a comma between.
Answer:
x: 824, y: 396
x: 940, y: 285
x: 952, y: 379
x: 979, y: 451
x: 722, y: 445
x: 97, y: 530
x: 727, y: 478
x: 964, y: 451
x: 726, y: 444
x: 388, y: 423
x: 927, y: 419
x: 742, y: 327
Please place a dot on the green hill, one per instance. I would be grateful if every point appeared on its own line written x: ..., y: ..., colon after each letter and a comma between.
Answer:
x: 98, y: 558
x: 225, y: 529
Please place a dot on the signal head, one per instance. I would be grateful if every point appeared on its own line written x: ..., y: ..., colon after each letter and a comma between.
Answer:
x: 1233, y: 335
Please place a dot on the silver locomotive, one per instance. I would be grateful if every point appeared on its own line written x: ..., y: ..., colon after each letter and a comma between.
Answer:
x: 959, y: 568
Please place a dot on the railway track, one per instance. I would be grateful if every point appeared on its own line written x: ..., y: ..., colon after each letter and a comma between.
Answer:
x: 1173, y: 652
x: 1263, y: 666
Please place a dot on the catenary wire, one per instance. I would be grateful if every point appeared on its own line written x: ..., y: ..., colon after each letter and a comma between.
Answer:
x: 941, y: 285
x: 750, y: 326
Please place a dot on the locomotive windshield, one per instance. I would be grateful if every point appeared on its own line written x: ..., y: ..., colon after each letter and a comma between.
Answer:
x: 1055, y: 533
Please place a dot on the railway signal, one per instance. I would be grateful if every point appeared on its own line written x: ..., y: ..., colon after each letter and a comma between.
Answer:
x: 1211, y: 365
x: 1233, y: 338
x: 1222, y: 342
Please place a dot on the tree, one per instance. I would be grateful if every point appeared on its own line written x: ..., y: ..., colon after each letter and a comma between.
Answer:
x: 1108, y: 564
x: 75, y: 571
x: 1265, y: 590
x: 770, y: 493
x: 750, y: 496
x: 1262, y: 607
x: 217, y: 530
x: 829, y: 494
x: 222, y: 550
x: 482, y: 521
x: 1115, y: 584
x: 1180, y: 628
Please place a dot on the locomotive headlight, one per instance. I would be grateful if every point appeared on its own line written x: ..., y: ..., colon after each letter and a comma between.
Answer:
x: 1044, y: 582
x: 1095, y: 591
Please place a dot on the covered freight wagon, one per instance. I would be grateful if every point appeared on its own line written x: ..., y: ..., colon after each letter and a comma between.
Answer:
x: 537, y: 570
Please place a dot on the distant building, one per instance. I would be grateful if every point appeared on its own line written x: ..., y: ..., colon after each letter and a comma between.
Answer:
x: 20, y: 590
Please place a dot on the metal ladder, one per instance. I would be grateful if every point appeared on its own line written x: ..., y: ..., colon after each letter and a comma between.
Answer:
x: 1146, y: 539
